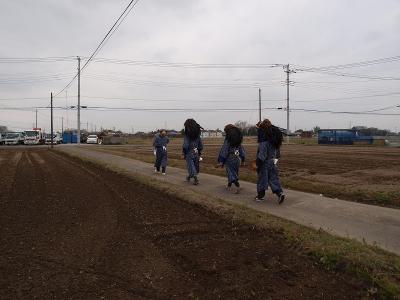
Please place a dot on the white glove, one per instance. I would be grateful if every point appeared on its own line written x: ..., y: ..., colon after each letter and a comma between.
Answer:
x: 200, y: 158
x: 275, y: 161
x: 164, y: 148
x: 155, y: 152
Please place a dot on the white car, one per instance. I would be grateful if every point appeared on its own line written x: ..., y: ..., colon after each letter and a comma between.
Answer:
x: 13, y: 138
x: 92, y: 139
x: 56, y: 139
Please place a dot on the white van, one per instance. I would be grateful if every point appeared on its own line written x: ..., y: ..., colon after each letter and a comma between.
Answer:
x: 56, y: 139
x: 14, y: 138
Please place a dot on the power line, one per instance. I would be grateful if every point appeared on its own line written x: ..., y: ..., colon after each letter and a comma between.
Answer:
x: 363, y: 76
x: 67, y: 86
x: 346, y: 92
x: 183, y: 64
x: 357, y: 64
x: 29, y: 80
x: 33, y: 76
x: 24, y: 98
x: 173, y: 84
x: 103, y: 41
x: 344, y: 112
x: 185, y: 78
x: 186, y: 100
x: 107, y: 108
x: 127, y: 10
x: 382, y: 109
x: 350, y: 98
x: 9, y: 60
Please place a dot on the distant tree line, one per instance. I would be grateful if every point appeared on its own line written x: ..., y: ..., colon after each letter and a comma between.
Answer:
x: 247, y: 129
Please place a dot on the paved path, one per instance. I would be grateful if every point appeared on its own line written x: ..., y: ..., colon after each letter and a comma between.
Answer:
x: 372, y: 224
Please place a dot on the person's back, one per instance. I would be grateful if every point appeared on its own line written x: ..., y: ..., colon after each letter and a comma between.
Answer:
x: 269, y: 143
x: 232, y: 155
x: 191, y: 148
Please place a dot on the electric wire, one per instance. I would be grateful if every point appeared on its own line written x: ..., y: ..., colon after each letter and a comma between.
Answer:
x: 358, y: 64
x: 184, y: 64
x: 103, y: 41
x: 9, y: 60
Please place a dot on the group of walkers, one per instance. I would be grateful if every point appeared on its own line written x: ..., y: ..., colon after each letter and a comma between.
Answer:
x: 231, y: 156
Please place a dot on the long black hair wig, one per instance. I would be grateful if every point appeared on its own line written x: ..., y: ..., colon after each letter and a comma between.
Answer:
x: 192, y: 129
x: 272, y: 133
x: 233, y: 135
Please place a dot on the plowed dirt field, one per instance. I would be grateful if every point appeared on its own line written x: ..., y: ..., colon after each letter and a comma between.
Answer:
x: 72, y: 230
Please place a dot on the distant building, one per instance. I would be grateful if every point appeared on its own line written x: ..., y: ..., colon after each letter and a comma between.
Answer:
x: 303, y: 134
x: 307, y: 134
x: 173, y: 133
x: 211, y: 133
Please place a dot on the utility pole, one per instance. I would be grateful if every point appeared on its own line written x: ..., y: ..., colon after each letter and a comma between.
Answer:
x: 87, y: 126
x: 51, y: 123
x: 288, y: 71
x: 66, y: 105
x: 36, y: 119
x: 62, y: 126
x: 259, y: 105
x: 79, y: 102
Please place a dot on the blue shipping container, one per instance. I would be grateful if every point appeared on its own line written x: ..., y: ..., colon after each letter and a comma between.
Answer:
x: 69, y: 138
x: 341, y: 137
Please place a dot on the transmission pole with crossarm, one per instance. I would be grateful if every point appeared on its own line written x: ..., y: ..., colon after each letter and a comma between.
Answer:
x: 288, y: 71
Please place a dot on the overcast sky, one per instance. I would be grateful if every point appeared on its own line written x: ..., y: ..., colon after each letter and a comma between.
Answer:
x: 303, y: 33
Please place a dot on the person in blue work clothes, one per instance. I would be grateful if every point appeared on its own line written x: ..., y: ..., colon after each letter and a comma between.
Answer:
x: 160, y: 151
x: 232, y: 155
x: 269, y: 143
x: 192, y: 147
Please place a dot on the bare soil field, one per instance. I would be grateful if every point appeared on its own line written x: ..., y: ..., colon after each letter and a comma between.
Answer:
x: 72, y: 230
x: 363, y: 174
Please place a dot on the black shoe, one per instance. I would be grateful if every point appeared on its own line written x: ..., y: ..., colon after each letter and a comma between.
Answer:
x: 196, y: 181
x: 259, y: 199
x: 188, y: 178
x: 281, y: 198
